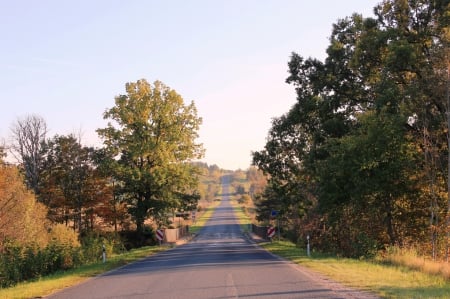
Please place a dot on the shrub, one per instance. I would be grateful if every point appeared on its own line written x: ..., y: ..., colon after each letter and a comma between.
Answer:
x: 62, y: 234
x: 92, y: 245
x: 133, y: 239
x: 27, y: 262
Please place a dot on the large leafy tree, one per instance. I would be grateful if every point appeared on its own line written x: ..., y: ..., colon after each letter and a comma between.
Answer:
x: 414, y: 56
x: 362, y: 119
x: 150, y: 141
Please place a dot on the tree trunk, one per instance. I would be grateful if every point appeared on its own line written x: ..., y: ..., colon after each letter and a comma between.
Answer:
x: 389, y: 222
x: 448, y: 163
x: 140, y: 213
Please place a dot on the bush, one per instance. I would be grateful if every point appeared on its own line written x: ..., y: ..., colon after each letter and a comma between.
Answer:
x: 133, y: 239
x: 244, y: 199
x: 22, y: 263
x: 62, y: 234
x: 92, y: 245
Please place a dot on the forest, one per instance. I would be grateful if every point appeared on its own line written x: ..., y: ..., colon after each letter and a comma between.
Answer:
x: 360, y: 162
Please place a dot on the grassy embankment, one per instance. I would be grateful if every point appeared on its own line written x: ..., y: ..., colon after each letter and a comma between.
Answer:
x: 398, y: 276
x: 50, y: 284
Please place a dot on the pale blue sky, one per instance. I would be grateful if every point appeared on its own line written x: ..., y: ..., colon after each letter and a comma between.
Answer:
x: 67, y: 60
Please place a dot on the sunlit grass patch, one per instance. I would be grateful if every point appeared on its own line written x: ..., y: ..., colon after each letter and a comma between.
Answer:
x: 388, y: 281
x: 411, y: 259
x: 243, y: 219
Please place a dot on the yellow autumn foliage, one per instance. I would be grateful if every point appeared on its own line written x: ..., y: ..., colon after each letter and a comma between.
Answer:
x: 61, y: 234
x: 22, y: 218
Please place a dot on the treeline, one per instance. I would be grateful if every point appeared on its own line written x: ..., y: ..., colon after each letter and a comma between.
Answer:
x: 360, y: 161
x: 248, y: 183
x: 143, y: 170
x: 63, y: 200
x: 31, y: 244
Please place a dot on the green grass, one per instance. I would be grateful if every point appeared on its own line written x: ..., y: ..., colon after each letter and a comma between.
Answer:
x: 388, y: 281
x: 243, y: 219
x: 50, y: 284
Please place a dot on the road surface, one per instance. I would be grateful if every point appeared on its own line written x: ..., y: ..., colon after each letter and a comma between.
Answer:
x: 219, y: 263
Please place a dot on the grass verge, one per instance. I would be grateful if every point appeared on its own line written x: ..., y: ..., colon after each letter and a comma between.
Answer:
x: 195, y: 227
x: 243, y: 219
x: 52, y: 283
x: 388, y: 281
x: 394, y: 280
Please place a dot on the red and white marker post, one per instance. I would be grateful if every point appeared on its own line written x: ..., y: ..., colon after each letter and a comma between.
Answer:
x: 160, y: 235
x: 271, y: 232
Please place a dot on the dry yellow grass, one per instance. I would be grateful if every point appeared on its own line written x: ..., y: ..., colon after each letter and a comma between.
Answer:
x: 410, y: 259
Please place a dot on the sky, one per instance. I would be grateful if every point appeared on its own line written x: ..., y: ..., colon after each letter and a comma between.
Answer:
x: 66, y: 61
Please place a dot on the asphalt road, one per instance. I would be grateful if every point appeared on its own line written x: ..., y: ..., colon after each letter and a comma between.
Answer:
x: 219, y: 263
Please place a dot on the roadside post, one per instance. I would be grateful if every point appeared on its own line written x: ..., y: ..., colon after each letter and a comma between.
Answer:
x: 193, y: 216
x: 273, y: 214
x: 278, y: 228
x: 308, y: 252
x: 159, y: 235
x: 104, y: 253
x: 271, y: 232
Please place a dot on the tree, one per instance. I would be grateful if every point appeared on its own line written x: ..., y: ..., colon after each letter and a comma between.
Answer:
x: 29, y: 134
x: 2, y: 154
x: 70, y: 186
x: 257, y: 181
x: 283, y: 160
x: 372, y: 179
x: 380, y: 95
x: 22, y: 218
x: 416, y: 57
x: 152, y: 140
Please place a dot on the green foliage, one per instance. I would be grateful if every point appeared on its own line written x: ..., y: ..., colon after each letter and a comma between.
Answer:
x: 23, y: 263
x: 92, y: 246
x: 153, y: 137
x: 69, y: 183
x: 358, y: 159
